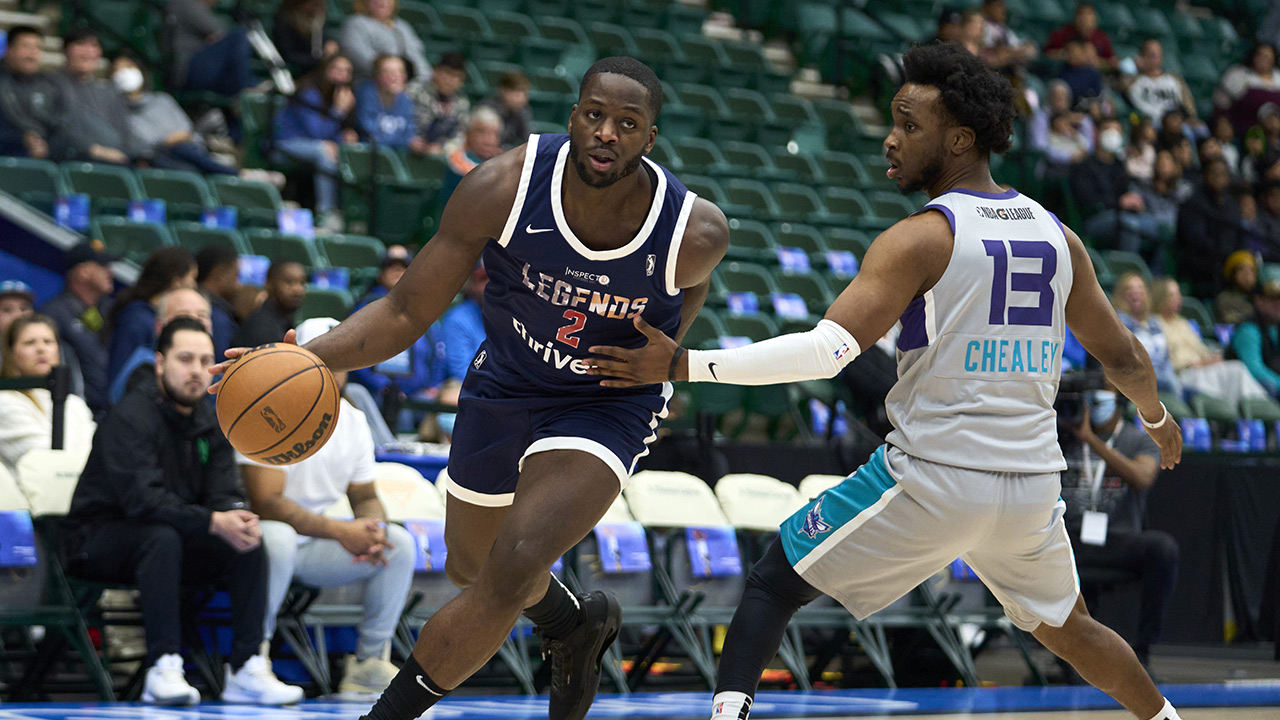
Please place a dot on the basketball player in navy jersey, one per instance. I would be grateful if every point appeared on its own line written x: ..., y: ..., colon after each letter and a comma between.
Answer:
x: 579, y: 234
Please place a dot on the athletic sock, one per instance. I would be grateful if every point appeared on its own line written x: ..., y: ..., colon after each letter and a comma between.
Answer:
x: 1167, y: 712
x: 558, y: 612
x: 730, y: 706
x: 409, y: 695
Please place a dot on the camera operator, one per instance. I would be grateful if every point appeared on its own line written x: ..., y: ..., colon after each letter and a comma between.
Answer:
x: 1111, y: 465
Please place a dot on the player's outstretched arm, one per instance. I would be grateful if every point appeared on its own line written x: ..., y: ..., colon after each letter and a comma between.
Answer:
x: 906, y: 260
x: 1095, y: 324
x: 476, y: 211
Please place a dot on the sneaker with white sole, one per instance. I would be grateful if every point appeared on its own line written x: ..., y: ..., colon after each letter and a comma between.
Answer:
x: 367, y: 677
x: 166, y: 683
x: 254, y: 683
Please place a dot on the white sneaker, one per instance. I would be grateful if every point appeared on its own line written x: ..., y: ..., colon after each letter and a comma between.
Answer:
x: 256, y: 684
x: 166, y: 684
x: 367, y: 677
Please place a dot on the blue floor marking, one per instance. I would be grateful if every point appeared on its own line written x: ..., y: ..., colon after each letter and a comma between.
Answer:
x: 690, y: 706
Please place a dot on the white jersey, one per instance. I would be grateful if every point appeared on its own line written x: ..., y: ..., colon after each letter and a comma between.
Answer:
x: 980, y: 354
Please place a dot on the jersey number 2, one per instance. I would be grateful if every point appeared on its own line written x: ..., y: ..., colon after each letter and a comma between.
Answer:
x: 577, y: 321
x: 1037, y: 282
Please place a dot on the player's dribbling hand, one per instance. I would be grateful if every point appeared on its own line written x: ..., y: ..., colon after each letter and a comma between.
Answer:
x: 644, y: 365
x: 233, y: 354
x: 1169, y: 438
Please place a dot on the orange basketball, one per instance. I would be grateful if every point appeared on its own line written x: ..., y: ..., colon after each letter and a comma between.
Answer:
x: 278, y: 404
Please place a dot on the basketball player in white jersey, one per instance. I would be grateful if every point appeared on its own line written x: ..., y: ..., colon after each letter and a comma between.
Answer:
x: 984, y: 281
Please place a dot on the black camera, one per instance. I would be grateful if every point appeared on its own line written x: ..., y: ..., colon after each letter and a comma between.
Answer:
x: 1071, y: 395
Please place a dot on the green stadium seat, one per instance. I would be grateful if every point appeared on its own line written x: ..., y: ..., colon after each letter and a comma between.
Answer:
x: 511, y: 26
x: 756, y: 196
x: 852, y: 207
x: 258, y: 203
x: 429, y: 170
x: 547, y: 8
x: 1121, y: 262
x: 1101, y: 268
x: 640, y: 14
x: 193, y: 236
x: 1212, y: 409
x: 707, y: 326
x: 36, y: 182
x: 751, y: 240
x: 185, y: 194
x: 1260, y: 408
x: 360, y: 254
x: 1153, y: 23
x: 845, y: 169
x: 464, y: 22
x: 665, y: 155
x: 132, y: 240
x: 711, y: 190
x: 704, y: 98
x: 801, y: 203
x: 1117, y: 20
x: 708, y: 53
x: 747, y: 277
x: 257, y: 117
x: 358, y: 162
x: 1196, y: 310
x: 891, y: 205
x: 281, y: 247
x: 562, y: 29
x: 907, y: 28
x: 594, y: 11
x: 681, y: 19
x: 493, y: 70
x: 325, y: 302
x: 754, y: 327
x: 799, y: 235
x: 420, y: 15
x: 793, y: 109
x: 756, y: 110
x: 800, y: 165
x: 680, y: 120
x: 753, y: 161
x: 610, y: 39
x: 848, y: 239
x: 812, y: 288
x: 702, y: 156
x: 110, y: 187
x: 1051, y: 12
x: 749, y: 57
x: 657, y: 46
x: 547, y: 80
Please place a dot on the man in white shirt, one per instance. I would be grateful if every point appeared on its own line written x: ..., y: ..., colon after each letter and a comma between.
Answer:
x: 303, y: 543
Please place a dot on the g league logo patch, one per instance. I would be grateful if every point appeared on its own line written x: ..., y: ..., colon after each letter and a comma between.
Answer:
x: 814, y: 525
x: 649, y: 264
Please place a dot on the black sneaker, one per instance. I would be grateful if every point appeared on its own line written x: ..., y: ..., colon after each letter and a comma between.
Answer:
x: 576, y: 657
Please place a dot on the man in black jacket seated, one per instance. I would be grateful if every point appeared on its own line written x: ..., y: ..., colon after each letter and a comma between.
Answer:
x: 160, y: 505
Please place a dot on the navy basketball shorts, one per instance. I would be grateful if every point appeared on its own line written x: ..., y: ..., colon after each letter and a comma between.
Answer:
x: 494, y: 434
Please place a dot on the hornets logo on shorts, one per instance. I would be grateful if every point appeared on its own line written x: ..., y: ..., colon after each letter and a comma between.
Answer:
x: 814, y: 525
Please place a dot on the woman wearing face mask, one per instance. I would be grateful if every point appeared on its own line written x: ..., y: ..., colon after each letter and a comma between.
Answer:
x: 30, y: 349
x: 1199, y: 367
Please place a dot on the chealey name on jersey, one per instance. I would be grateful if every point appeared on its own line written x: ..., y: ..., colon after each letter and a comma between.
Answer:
x: 562, y: 293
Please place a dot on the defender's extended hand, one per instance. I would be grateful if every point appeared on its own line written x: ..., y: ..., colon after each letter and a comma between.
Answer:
x: 1169, y: 438
x: 642, y: 366
x: 233, y: 354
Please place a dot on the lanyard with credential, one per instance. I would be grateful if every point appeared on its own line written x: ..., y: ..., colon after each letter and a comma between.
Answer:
x: 1095, y: 477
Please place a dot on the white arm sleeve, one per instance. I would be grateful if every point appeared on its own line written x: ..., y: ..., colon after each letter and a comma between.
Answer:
x: 819, y: 353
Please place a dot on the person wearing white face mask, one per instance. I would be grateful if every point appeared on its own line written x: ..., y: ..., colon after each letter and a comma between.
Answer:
x: 1111, y: 464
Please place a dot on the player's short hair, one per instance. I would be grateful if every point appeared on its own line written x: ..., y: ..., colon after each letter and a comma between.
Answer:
x: 212, y: 257
x: 974, y: 95
x: 633, y: 69
x: 165, y: 342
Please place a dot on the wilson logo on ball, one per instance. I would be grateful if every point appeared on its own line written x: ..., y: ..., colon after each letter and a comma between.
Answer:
x: 300, y: 449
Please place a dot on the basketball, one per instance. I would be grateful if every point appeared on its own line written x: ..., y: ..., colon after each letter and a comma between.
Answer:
x: 278, y: 404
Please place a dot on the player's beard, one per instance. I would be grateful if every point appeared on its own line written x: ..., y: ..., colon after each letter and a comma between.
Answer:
x: 925, y: 178
x: 620, y: 171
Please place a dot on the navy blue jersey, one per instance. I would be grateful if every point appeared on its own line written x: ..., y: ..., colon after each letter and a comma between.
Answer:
x: 550, y: 297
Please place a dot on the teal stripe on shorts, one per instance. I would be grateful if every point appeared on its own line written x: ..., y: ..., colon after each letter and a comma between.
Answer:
x: 811, y: 525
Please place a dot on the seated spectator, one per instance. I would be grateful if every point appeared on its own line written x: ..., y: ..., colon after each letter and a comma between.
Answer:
x: 99, y: 128
x: 16, y: 300
x: 373, y: 29
x: 1067, y: 145
x: 1198, y: 367
x: 286, y: 287
x: 304, y: 545
x: 440, y: 107
x: 1059, y: 102
x: 218, y: 278
x: 1225, y: 134
x: 481, y: 142
x: 1003, y: 49
x: 77, y: 313
x: 33, y: 113
x: 160, y: 505
x: 1115, y: 215
x: 313, y: 124
x: 1154, y: 92
x: 1110, y: 467
x: 204, y: 53
x: 1140, y: 155
x: 1084, y: 26
x: 1246, y: 87
x: 140, y: 366
x: 1268, y: 223
x: 1209, y: 229
x: 1235, y: 303
x: 1158, y: 222
x: 462, y: 333
x: 1132, y: 301
x: 298, y: 32
x: 131, y: 321
x: 390, y: 270
x: 1081, y: 72
x: 385, y: 113
x: 30, y: 350
x: 163, y: 132
x: 1257, y: 341
x: 511, y: 102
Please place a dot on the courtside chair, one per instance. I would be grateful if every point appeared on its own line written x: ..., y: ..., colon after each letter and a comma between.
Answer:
x: 634, y: 590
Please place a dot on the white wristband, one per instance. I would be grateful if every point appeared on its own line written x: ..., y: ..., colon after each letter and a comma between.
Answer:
x: 1158, y: 424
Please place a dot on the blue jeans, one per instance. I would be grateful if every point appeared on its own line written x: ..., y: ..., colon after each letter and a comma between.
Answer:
x: 310, y: 151
x: 222, y: 67
x: 191, y: 157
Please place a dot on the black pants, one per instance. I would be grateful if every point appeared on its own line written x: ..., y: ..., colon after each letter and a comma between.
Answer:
x: 160, y: 561
x: 1154, y: 556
